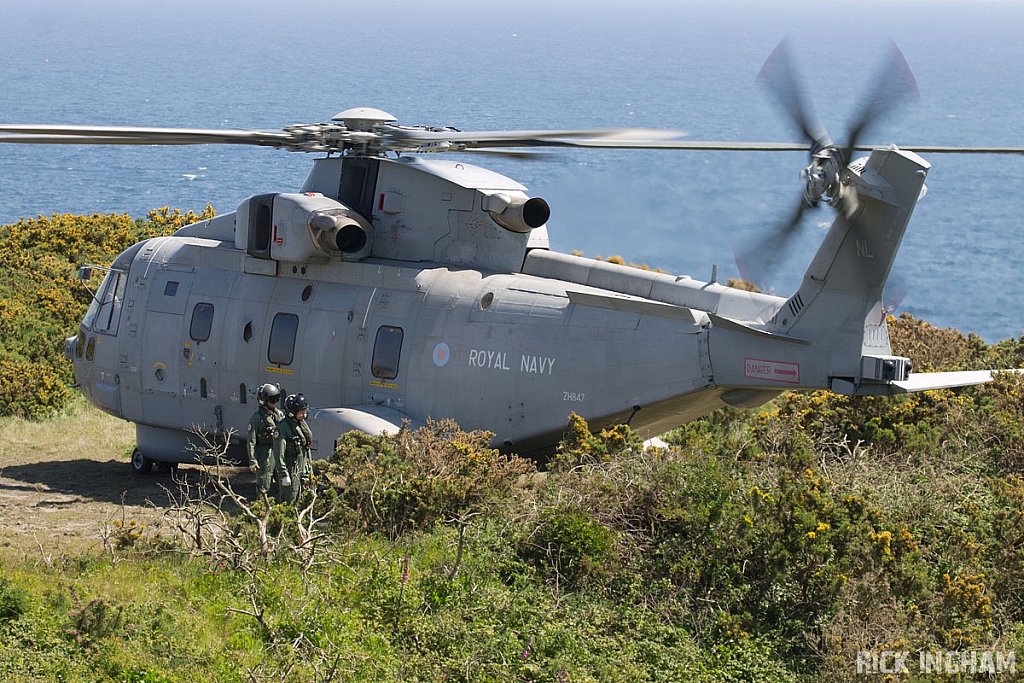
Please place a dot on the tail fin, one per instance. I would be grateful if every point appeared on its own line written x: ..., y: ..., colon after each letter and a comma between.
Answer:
x: 839, y: 303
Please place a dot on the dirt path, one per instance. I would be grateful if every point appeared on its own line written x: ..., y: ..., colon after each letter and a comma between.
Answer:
x: 64, y: 482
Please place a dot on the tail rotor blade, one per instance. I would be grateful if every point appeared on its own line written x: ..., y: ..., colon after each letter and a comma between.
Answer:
x: 779, y: 77
x: 760, y: 260
x: 893, y: 85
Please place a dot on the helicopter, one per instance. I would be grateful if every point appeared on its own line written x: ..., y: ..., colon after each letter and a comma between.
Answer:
x: 395, y: 286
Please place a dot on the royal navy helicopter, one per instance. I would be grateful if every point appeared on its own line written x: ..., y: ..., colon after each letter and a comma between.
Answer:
x: 395, y: 286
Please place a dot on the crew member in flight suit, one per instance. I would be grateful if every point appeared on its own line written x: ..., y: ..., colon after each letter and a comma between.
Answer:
x: 292, y: 446
x: 262, y: 431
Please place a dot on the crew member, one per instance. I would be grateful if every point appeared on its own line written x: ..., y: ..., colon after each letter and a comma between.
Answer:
x: 262, y: 431
x: 293, y: 446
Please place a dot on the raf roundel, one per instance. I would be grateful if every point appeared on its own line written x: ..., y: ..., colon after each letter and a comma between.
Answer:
x: 441, y: 354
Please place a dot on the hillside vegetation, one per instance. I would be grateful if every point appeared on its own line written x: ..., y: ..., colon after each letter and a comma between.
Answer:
x: 770, y: 545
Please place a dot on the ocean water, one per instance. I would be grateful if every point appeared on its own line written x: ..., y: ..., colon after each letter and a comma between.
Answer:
x: 526, y: 64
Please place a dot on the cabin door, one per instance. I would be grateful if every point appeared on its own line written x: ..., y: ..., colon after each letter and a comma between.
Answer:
x: 163, y: 350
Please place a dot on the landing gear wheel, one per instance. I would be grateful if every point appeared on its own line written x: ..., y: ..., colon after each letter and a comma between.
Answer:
x: 140, y: 463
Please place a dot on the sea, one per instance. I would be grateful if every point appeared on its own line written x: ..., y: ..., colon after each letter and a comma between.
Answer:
x: 688, y: 66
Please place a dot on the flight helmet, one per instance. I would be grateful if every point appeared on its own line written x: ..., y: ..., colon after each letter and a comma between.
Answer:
x: 294, y: 403
x: 267, y: 392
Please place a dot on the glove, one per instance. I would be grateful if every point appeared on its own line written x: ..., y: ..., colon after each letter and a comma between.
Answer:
x: 286, y: 481
x: 252, y: 468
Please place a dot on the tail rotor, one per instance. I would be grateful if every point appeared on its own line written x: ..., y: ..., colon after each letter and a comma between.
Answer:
x: 826, y: 177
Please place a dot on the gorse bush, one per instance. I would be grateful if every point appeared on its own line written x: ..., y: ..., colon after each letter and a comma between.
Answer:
x: 418, y: 477
x: 42, y: 302
x: 570, y: 546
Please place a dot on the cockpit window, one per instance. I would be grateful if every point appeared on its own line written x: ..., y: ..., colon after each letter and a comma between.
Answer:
x: 104, y: 313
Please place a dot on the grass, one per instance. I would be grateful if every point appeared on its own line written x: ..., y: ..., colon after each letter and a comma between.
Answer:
x: 66, y: 478
x: 79, y: 428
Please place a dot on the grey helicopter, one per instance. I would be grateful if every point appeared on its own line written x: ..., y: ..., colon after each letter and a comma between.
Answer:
x: 396, y: 285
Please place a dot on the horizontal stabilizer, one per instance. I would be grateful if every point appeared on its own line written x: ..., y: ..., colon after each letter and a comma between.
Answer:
x: 924, y: 381
x: 918, y: 381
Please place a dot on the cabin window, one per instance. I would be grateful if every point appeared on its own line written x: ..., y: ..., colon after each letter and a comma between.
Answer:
x: 387, y: 349
x: 202, y: 322
x: 282, y: 339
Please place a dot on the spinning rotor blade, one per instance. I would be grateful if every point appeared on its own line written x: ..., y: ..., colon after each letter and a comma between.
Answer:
x: 779, y: 77
x: 756, y: 262
x: 381, y: 134
x: 931, y: 149
x: 382, y: 138
x: 893, y: 84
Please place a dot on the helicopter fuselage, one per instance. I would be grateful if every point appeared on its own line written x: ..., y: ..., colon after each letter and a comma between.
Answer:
x: 196, y: 334
x: 400, y: 290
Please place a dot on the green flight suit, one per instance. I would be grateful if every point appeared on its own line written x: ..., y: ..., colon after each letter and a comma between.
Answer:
x: 262, y: 430
x: 292, y: 447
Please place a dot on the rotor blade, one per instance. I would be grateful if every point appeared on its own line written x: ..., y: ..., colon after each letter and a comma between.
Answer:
x: 503, y: 153
x: 931, y: 149
x: 757, y: 262
x: 131, y: 135
x: 896, y: 289
x: 112, y: 140
x: 779, y: 76
x: 617, y: 137
x: 614, y: 138
x: 894, y: 83
x: 625, y: 138
x: 706, y: 145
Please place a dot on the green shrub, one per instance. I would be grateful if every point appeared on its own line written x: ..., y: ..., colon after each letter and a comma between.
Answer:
x: 410, y: 480
x: 571, y: 547
x: 14, y: 600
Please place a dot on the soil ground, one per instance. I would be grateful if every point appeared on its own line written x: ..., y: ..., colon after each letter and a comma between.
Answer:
x: 65, y: 483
